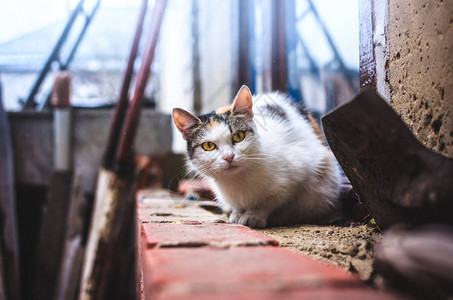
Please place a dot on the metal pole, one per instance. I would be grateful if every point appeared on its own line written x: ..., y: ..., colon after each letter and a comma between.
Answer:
x: 245, y: 70
x: 279, y: 65
x: 123, y: 100
x: 125, y: 151
x: 291, y: 45
x: 196, y: 81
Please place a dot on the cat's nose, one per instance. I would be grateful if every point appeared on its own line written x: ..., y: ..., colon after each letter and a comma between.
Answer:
x: 228, y: 158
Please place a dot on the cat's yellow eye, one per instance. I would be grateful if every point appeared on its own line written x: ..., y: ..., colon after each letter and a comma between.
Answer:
x: 208, y: 146
x: 238, y: 136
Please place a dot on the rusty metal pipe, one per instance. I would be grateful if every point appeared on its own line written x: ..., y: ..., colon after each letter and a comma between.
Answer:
x: 126, y: 146
x: 123, y: 100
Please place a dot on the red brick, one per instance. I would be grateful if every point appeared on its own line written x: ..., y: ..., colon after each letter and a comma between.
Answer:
x: 183, y: 219
x: 149, y: 214
x: 214, y: 234
x: 358, y: 293
x: 162, y: 198
x: 146, y: 194
x: 184, y: 272
x: 161, y: 206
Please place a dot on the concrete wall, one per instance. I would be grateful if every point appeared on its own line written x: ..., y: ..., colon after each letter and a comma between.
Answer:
x: 420, y: 69
x: 33, y: 144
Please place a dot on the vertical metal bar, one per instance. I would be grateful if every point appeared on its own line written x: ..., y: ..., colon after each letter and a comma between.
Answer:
x: 123, y: 100
x: 279, y: 63
x: 244, y: 71
x: 54, y: 55
x: 291, y: 44
x: 125, y: 151
x: 196, y: 80
x: 252, y: 43
x: 267, y: 45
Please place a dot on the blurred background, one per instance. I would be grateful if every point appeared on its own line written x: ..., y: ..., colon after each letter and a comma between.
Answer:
x: 206, y: 51
x: 62, y: 71
x: 58, y: 138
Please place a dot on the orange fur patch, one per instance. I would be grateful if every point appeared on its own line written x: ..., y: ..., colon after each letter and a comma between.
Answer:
x: 212, y: 123
x: 223, y: 110
x: 316, y: 127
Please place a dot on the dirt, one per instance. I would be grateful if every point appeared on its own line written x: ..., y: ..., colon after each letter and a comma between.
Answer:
x: 350, y: 248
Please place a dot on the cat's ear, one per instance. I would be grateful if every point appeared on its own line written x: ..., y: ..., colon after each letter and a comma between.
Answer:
x: 185, y: 121
x: 243, y: 102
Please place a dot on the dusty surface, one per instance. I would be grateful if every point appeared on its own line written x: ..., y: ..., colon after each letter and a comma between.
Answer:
x: 420, y: 37
x: 350, y: 248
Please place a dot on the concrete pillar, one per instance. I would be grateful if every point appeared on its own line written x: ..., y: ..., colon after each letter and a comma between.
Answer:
x: 420, y: 34
x: 407, y: 56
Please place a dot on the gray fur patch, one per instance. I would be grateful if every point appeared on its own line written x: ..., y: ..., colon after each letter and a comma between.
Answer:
x: 274, y: 111
x: 234, y: 123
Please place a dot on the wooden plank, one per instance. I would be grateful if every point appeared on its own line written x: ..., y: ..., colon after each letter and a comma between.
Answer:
x: 2, y: 279
x: 109, y: 216
x: 115, y: 188
x: 121, y: 278
x: 51, y: 235
x: 53, y: 229
x: 71, y: 265
x: 9, y: 249
x: 398, y: 178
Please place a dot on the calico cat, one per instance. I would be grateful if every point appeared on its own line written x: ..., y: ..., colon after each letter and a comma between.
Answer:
x: 265, y: 158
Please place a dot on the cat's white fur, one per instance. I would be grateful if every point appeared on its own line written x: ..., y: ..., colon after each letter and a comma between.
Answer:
x: 282, y: 174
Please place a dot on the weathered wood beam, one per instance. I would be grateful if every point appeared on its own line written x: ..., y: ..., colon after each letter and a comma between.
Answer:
x: 398, y: 178
x: 9, y: 249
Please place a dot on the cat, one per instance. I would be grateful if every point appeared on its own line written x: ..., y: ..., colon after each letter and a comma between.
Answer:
x: 265, y: 158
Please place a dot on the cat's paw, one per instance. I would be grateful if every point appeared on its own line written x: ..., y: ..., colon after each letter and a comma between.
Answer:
x: 253, y: 221
x: 234, y: 217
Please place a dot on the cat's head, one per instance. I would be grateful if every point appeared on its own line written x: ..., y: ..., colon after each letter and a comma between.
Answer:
x: 222, y: 142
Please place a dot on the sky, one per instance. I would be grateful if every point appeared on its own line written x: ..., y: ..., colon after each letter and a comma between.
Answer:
x: 18, y: 17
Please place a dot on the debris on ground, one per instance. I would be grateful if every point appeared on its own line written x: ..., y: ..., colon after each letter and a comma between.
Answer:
x: 350, y: 248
